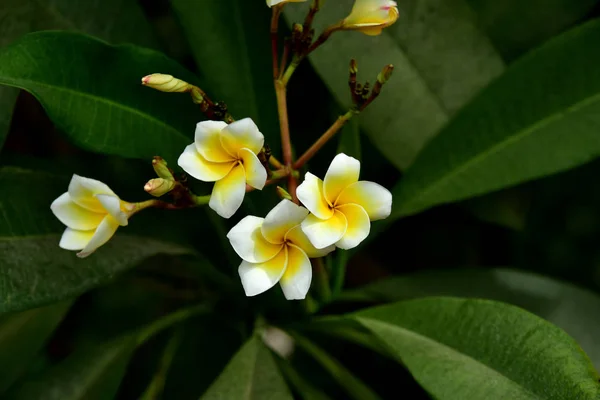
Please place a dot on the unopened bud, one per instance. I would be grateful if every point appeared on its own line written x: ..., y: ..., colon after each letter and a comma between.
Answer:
x: 159, y: 186
x: 385, y: 74
x: 161, y: 168
x: 166, y: 83
x: 283, y: 194
x: 353, y: 67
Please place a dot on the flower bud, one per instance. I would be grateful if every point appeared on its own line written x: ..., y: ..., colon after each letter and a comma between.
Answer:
x: 272, y: 3
x: 158, y: 187
x: 371, y: 16
x: 161, y: 168
x: 283, y: 194
x: 166, y: 83
x: 385, y: 74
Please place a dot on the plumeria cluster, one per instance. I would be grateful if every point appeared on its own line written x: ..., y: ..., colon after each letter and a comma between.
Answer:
x: 312, y: 219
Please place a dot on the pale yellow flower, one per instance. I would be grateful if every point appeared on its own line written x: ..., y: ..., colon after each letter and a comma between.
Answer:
x: 92, y: 213
x: 274, y: 249
x: 341, y: 206
x: 272, y: 3
x: 371, y: 16
x: 226, y: 154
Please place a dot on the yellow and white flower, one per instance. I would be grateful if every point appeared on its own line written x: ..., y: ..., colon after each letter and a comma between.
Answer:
x: 92, y: 213
x: 226, y: 154
x: 341, y: 206
x: 371, y: 16
x: 274, y: 249
x: 272, y: 3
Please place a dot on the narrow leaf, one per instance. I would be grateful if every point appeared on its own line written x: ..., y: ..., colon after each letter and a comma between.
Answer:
x: 479, y: 349
x: 251, y: 374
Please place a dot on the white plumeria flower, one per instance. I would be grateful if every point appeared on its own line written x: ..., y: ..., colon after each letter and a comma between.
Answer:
x: 92, y: 213
x: 371, y: 16
x: 274, y: 249
x: 341, y: 206
x: 272, y: 3
x: 226, y: 154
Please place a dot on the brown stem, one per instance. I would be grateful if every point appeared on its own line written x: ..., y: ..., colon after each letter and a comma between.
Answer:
x: 277, y: 176
x: 335, y: 128
x: 324, y: 36
x: 274, y: 47
x: 284, y: 58
x: 286, y: 144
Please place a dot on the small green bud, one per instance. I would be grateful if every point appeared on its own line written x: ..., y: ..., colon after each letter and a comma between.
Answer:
x: 166, y: 83
x: 281, y: 192
x: 158, y: 187
x: 385, y: 74
x: 161, y: 168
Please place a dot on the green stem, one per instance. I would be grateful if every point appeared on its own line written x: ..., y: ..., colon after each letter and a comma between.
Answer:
x: 156, y: 387
x: 170, y: 320
x: 290, y: 70
x: 321, y: 280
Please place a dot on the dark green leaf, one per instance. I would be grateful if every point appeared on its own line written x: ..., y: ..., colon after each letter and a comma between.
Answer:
x: 95, y: 373
x: 539, y: 118
x: 251, y: 374
x: 33, y: 269
x: 441, y: 60
x: 231, y: 44
x: 569, y: 307
x: 479, y: 349
x: 22, y: 335
x: 516, y: 26
x: 92, y: 92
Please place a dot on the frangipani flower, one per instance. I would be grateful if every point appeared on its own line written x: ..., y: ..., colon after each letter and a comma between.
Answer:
x: 226, y: 154
x: 341, y: 206
x: 272, y: 3
x: 275, y: 249
x: 92, y: 213
x: 371, y: 16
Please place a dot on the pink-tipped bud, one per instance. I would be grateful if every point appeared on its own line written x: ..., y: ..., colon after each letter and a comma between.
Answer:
x: 158, y: 187
x: 166, y: 83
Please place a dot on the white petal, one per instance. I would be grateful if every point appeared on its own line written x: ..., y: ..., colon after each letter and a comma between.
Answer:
x: 74, y: 216
x: 105, y: 231
x: 374, y: 198
x: 249, y: 243
x: 228, y: 194
x: 342, y: 172
x: 359, y: 226
x: 283, y: 217
x: 242, y: 134
x: 296, y: 279
x: 323, y: 233
x: 112, y: 205
x: 194, y: 164
x: 75, y: 240
x: 310, y: 193
x: 82, y: 191
x: 208, y: 141
x: 298, y: 238
x: 256, y: 174
x: 258, y: 278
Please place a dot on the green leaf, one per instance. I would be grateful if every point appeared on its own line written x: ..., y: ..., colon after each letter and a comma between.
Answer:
x: 22, y: 335
x: 516, y: 26
x: 567, y: 306
x: 441, y: 60
x: 479, y: 349
x: 230, y: 43
x: 33, y: 269
x: 531, y: 122
x: 251, y: 374
x: 92, y: 92
x: 19, y: 17
x: 14, y: 22
x: 95, y: 373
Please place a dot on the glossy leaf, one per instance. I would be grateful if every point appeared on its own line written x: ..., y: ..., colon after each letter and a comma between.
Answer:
x: 230, y: 43
x: 92, y: 92
x: 539, y: 118
x: 569, y: 307
x: 479, y: 349
x: 22, y: 335
x: 251, y: 374
x: 441, y: 60
x: 33, y: 269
